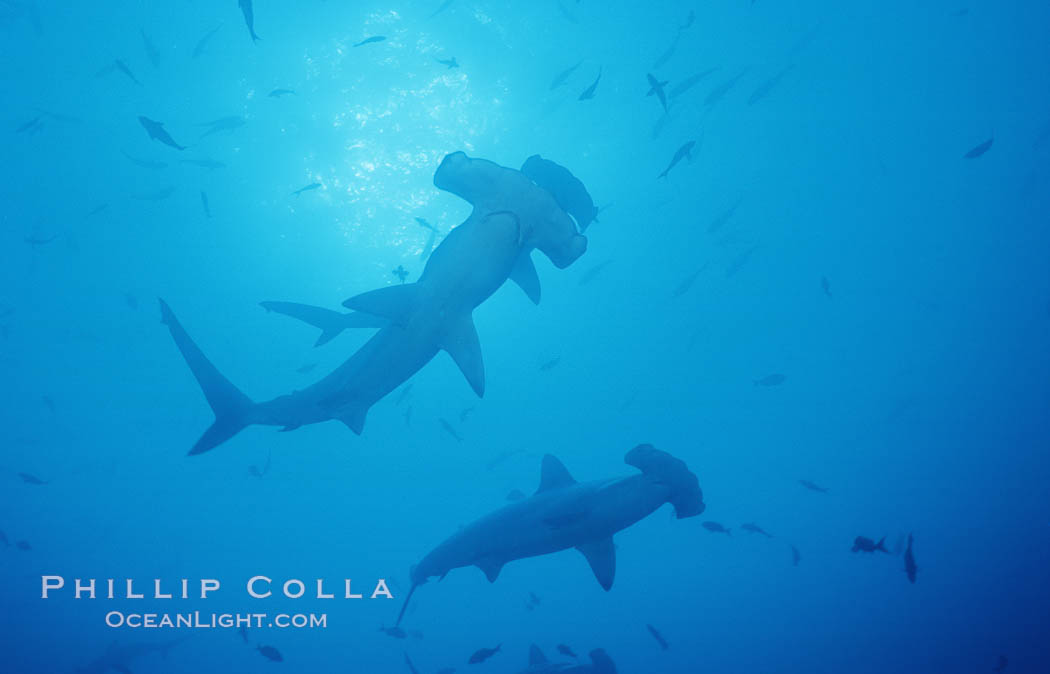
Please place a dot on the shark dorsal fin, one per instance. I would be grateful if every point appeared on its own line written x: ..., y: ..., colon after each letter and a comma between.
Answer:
x: 393, y: 302
x: 601, y: 555
x: 461, y: 342
x: 536, y: 656
x: 553, y: 475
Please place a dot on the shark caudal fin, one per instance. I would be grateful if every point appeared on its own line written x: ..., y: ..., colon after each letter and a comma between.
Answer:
x: 330, y: 323
x: 233, y: 410
x: 603, y: 664
x: 686, y: 496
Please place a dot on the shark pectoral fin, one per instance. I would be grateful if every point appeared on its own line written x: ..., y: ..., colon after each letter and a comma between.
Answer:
x: 393, y: 302
x: 601, y: 555
x: 490, y: 568
x: 354, y: 419
x: 524, y: 274
x: 461, y: 342
x: 553, y: 474
x: 536, y: 656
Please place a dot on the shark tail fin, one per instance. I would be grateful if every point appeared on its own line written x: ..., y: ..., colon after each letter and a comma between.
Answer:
x: 881, y: 545
x: 404, y: 606
x: 233, y: 410
x: 685, y: 496
x: 603, y: 664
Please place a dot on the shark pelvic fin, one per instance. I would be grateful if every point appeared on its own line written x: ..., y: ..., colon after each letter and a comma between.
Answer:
x: 354, y: 419
x: 331, y: 323
x: 601, y: 555
x: 553, y: 474
x: 524, y: 274
x: 490, y: 568
x: 461, y: 342
x: 393, y: 302
x: 536, y: 656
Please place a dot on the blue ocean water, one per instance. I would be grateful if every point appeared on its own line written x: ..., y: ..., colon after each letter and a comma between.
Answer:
x: 844, y: 283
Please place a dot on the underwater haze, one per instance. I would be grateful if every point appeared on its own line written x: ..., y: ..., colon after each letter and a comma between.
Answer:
x: 800, y: 248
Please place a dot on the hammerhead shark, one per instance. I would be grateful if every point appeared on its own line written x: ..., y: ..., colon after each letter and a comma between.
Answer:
x: 601, y: 663
x: 565, y: 514
x: 511, y: 216
x: 118, y: 656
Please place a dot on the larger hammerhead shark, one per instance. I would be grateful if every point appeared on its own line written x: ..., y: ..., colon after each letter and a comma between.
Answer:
x: 511, y: 216
x: 565, y: 514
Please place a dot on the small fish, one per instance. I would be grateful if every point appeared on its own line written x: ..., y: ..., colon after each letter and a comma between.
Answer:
x: 249, y: 20
x: 569, y: 16
x: 401, y: 273
x: 96, y: 210
x: 243, y: 631
x: 753, y: 528
x: 715, y: 528
x: 515, y: 495
x: 23, y: 546
x: 451, y: 431
x: 763, y: 89
x: 501, y: 458
x: 146, y: 163
x: 151, y: 51
x: 770, y: 380
x: 724, y: 217
x: 446, y: 670
x: 1001, y: 665
x: 740, y: 261
x: 204, y: 163
x: 561, y: 77
x: 657, y: 87
x: 422, y: 222
x: 445, y: 5
x: 37, y: 240
x: 687, y: 283
x: 688, y: 21
x: 228, y: 123
x: 909, y: 562
x: 688, y: 83
x: 591, y: 273
x: 370, y: 40
x: 663, y: 58
x: 277, y: 93
x: 550, y: 364
x: 588, y: 93
x: 719, y: 92
x: 979, y: 149
x: 29, y: 478
x: 862, y: 544
x: 305, y: 369
x: 307, y: 188
x: 159, y: 195
x: 156, y: 132
x: 122, y: 67
x: 825, y: 285
x: 795, y: 556
x: 451, y: 63
x: 656, y: 635
x: 465, y: 413
x: 395, y: 632
x: 203, y: 42
x: 255, y: 472
x: 411, y: 668
x: 684, y: 152
x: 269, y: 652
x: 565, y: 650
x: 813, y: 487
x: 483, y: 654
x: 28, y: 126
x: 204, y: 204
